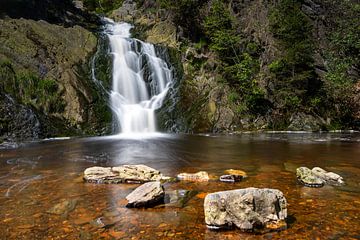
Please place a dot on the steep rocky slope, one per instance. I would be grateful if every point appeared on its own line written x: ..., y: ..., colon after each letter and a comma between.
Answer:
x: 46, y: 87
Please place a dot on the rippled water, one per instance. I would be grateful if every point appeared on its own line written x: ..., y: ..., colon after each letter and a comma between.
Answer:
x: 35, y: 177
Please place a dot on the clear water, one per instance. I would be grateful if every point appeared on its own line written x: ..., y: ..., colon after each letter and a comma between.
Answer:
x: 141, y: 80
x: 36, y: 176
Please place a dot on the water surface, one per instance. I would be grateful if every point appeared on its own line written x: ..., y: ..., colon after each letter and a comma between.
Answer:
x: 36, y: 176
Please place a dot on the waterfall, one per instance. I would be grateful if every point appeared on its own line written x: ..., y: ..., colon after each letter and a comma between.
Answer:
x: 140, y: 80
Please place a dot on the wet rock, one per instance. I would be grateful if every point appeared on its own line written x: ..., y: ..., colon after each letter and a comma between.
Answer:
x: 317, y: 177
x: 147, y: 195
x: 308, y: 178
x: 122, y: 174
x: 236, y: 172
x: 103, y: 222
x: 63, y: 208
x: 178, y: 198
x: 201, y: 176
x: 329, y: 177
x: 231, y: 178
x: 248, y: 209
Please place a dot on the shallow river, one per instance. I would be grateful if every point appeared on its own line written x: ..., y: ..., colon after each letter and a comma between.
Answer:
x: 37, y: 176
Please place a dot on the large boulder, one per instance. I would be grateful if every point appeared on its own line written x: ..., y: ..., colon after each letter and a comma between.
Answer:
x: 147, y: 195
x: 248, y: 209
x: 122, y: 174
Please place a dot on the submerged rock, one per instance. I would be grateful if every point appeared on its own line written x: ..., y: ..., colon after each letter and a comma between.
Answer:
x: 308, y: 178
x: 178, y: 198
x: 317, y: 177
x: 147, y: 195
x: 63, y: 208
x: 248, y: 209
x: 231, y: 178
x: 201, y: 176
x: 122, y: 174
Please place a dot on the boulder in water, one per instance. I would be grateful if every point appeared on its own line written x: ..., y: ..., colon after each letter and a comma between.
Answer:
x: 236, y: 172
x: 308, y: 178
x: 317, y: 177
x: 201, y: 176
x: 248, y: 209
x: 147, y: 195
x: 231, y: 178
x: 122, y: 174
x: 329, y: 177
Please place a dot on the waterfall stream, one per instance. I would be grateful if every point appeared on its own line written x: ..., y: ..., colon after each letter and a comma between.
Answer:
x: 140, y: 80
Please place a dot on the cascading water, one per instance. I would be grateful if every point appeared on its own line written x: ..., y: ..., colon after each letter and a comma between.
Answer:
x: 140, y: 78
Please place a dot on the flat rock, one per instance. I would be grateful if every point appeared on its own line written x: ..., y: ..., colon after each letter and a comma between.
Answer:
x: 122, y: 174
x: 147, y: 195
x: 308, y: 178
x: 201, y: 176
x: 248, y: 209
x: 236, y: 172
x: 231, y: 178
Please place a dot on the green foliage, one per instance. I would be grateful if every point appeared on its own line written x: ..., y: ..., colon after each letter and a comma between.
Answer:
x: 41, y: 93
x: 102, y: 6
x: 293, y: 73
x: 186, y: 15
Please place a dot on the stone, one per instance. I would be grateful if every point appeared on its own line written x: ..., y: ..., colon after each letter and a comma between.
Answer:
x: 308, y: 178
x: 63, y: 208
x: 178, y: 198
x: 231, y: 178
x: 248, y: 209
x: 329, y: 177
x: 122, y: 174
x: 147, y: 195
x: 236, y: 172
x: 304, y: 122
x: 201, y: 176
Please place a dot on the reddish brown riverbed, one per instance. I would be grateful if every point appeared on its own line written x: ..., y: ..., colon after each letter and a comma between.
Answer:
x: 37, y: 176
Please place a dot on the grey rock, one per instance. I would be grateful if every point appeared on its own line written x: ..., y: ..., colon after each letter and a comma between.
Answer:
x: 147, y: 195
x: 304, y: 122
x: 122, y: 174
x: 201, y: 176
x: 329, y: 177
x: 317, y: 177
x: 248, y: 209
x: 308, y: 178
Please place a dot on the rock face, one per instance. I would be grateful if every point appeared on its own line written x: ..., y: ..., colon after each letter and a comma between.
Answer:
x: 147, y: 195
x: 195, y: 177
x: 317, y: 177
x: 248, y: 209
x: 44, y: 68
x: 122, y: 174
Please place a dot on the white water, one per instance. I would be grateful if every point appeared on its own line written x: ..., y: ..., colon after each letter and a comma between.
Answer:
x: 133, y: 98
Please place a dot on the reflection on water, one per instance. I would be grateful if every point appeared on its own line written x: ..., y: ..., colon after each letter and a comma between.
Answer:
x: 38, y: 176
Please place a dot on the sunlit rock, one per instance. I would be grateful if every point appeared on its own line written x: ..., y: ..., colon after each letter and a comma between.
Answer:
x: 147, y: 195
x: 236, y: 172
x: 122, y: 174
x: 247, y: 209
x: 201, y: 176
x: 317, y: 177
x: 308, y: 178
x: 329, y: 177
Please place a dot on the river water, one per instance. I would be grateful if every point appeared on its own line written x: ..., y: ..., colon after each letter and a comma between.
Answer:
x: 37, y: 176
